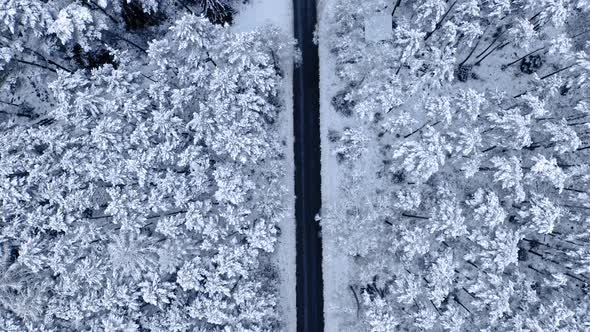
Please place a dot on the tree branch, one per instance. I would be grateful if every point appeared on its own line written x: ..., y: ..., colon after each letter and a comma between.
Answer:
x: 36, y: 65
x: 126, y: 40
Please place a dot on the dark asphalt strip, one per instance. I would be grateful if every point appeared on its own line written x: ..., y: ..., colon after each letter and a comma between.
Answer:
x: 310, y: 299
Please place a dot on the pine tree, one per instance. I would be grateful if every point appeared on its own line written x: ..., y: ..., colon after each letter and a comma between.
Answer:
x: 509, y: 173
x: 423, y: 158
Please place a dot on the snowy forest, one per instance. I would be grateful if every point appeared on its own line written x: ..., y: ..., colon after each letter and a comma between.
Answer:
x: 149, y: 170
x: 464, y: 204
x: 141, y: 167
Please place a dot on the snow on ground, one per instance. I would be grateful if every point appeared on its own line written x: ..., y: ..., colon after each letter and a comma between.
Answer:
x: 280, y: 13
x: 379, y: 27
x: 256, y: 13
x: 339, y: 302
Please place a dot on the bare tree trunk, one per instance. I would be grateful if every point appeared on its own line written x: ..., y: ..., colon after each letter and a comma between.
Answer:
x: 556, y: 72
x: 439, y: 24
x: 524, y: 56
x: 407, y: 215
x: 358, y: 304
x: 490, y: 52
x: 395, y: 7
x: 472, y: 50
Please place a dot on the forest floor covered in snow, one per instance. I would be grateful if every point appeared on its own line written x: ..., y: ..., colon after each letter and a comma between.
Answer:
x: 338, y: 267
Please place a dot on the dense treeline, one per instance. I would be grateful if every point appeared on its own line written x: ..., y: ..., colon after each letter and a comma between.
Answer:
x: 38, y: 38
x: 141, y: 168
x: 472, y: 150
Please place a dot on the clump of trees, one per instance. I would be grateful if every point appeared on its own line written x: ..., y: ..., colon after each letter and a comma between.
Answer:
x: 148, y: 197
x: 37, y: 38
x: 477, y: 213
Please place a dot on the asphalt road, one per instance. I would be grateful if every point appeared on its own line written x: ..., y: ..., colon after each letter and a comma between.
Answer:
x: 310, y: 299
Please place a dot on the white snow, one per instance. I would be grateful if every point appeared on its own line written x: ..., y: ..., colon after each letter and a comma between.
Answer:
x: 379, y: 27
x: 259, y: 12
x: 339, y: 303
x: 280, y: 13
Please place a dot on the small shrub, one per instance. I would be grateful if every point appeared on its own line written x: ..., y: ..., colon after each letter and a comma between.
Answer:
x: 531, y: 64
x: 342, y: 105
x: 463, y: 72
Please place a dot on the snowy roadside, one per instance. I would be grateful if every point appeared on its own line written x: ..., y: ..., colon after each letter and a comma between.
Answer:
x: 339, y: 303
x: 280, y: 13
